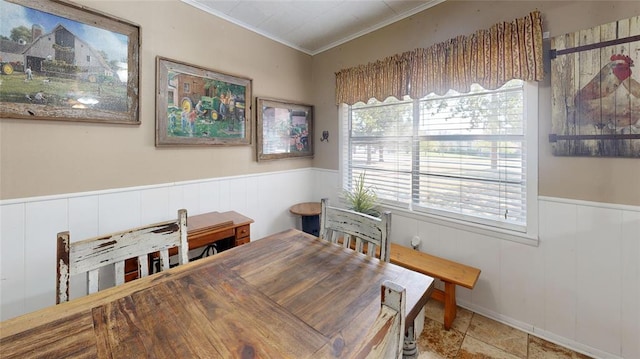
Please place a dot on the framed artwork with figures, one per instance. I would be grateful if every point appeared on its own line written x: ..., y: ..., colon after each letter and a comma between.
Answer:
x: 196, y: 106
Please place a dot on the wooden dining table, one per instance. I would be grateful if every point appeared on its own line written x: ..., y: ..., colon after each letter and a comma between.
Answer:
x: 288, y: 295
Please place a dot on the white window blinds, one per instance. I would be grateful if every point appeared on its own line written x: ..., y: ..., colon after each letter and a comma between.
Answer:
x: 462, y: 156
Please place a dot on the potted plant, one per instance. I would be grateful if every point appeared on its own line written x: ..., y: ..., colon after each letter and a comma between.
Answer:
x: 362, y: 198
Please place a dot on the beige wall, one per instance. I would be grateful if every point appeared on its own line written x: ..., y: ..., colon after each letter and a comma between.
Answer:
x: 609, y: 180
x: 42, y: 157
x: 47, y: 157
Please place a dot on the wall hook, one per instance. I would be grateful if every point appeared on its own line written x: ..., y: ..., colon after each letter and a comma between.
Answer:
x: 325, y: 136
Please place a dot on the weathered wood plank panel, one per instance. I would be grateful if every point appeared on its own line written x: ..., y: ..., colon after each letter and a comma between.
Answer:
x: 384, y: 340
x: 346, y: 225
x: 92, y: 254
x: 595, y: 104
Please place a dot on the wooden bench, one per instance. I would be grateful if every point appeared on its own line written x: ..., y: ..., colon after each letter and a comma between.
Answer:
x: 450, y: 272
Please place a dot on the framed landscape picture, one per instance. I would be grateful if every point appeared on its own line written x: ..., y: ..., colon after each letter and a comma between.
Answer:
x: 66, y: 62
x: 285, y: 129
x: 199, y: 106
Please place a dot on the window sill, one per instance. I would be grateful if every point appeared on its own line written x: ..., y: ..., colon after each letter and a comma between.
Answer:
x: 513, y: 236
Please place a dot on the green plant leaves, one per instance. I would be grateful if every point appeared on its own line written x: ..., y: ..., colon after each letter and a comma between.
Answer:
x: 363, y: 198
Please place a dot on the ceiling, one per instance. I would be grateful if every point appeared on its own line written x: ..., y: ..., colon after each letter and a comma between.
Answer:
x: 312, y: 26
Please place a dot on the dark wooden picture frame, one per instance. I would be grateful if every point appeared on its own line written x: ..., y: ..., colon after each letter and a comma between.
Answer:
x: 73, y: 64
x: 284, y: 129
x: 196, y: 106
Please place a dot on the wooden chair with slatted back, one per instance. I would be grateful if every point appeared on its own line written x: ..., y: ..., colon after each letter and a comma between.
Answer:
x: 385, y: 339
x: 339, y: 225
x: 91, y: 254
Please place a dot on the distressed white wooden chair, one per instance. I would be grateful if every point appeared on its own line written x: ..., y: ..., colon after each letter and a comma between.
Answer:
x: 339, y: 225
x: 385, y: 338
x: 91, y: 254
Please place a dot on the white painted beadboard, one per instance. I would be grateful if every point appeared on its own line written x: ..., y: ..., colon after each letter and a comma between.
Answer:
x: 28, y: 226
x: 580, y: 287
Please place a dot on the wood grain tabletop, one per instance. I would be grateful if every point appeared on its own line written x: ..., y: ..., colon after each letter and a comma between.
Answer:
x: 289, y: 295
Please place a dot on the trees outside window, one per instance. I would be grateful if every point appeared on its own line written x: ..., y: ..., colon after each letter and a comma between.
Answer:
x: 460, y: 155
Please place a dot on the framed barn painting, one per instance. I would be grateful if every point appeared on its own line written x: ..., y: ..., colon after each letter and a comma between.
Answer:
x: 595, y: 84
x: 201, y: 107
x: 285, y: 129
x: 66, y: 62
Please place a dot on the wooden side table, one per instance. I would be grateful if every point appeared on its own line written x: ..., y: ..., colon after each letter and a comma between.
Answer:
x: 202, y: 230
x: 210, y: 227
x: 310, y: 213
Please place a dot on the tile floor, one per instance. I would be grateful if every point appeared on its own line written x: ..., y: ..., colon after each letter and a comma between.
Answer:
x: 474, y: 336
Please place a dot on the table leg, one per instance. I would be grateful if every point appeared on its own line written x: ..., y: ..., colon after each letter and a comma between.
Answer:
x: 410, y: 347
x: 450, y: 306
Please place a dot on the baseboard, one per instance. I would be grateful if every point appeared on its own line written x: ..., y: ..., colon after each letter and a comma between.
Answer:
x: 538, y: 332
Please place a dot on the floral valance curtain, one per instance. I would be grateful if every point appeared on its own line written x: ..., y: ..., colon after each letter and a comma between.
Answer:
x: 490, y: 58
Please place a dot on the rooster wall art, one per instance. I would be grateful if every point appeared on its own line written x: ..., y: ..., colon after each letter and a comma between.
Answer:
x: 596, y: 91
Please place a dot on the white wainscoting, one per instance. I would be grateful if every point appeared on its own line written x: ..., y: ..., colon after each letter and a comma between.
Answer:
x: 28, y: 226
x: 580, y: 287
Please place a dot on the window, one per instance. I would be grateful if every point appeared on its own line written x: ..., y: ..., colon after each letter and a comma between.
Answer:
x: 470, y: 157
